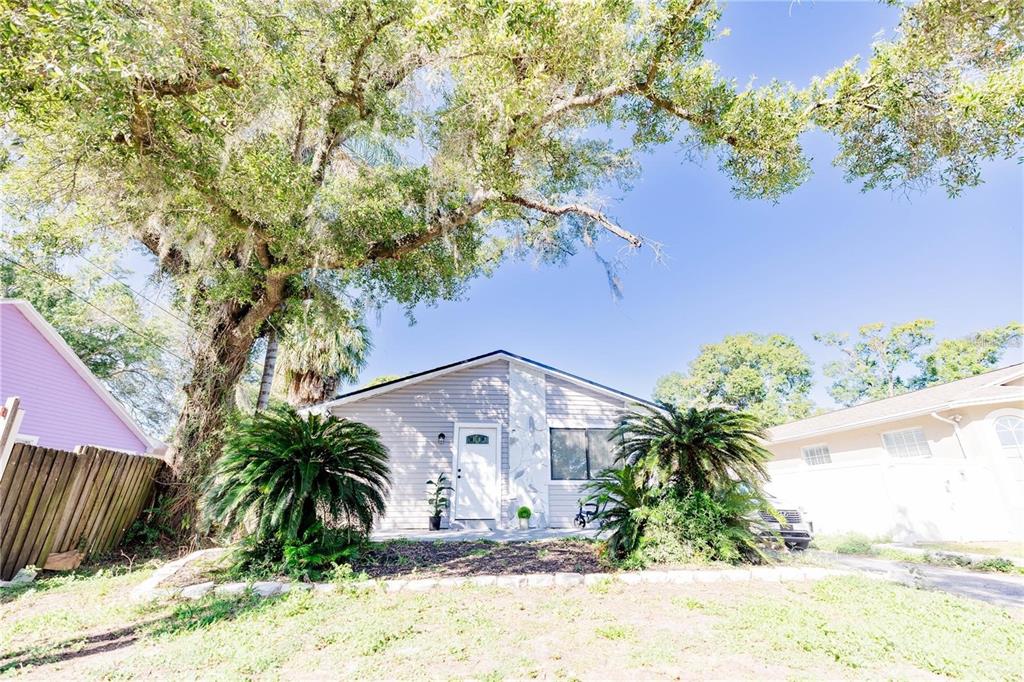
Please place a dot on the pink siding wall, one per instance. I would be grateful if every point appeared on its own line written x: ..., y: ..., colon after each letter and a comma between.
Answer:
x: 60, y: 407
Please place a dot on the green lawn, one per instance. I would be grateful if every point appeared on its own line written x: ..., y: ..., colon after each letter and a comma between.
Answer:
x: 1007, y: 549
x: 843, y: 627
x: 950, y: 554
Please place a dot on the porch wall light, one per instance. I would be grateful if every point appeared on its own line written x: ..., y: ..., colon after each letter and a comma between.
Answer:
x: 440, y: 439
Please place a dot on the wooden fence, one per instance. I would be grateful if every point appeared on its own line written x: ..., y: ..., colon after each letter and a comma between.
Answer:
x: 54, y: 501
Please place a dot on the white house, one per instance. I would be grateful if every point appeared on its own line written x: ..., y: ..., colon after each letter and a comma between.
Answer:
x: 508, y: 430
x: 945, y: 462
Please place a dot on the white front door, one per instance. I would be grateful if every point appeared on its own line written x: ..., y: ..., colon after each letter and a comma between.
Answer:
x: 476, y: 472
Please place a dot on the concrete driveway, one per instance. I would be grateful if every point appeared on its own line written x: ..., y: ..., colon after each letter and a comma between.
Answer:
x: 995, y: 588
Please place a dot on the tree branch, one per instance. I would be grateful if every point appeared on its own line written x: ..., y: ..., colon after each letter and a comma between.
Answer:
x: 214, y: 76
x: 273, y: 295
x: 578, y: 209
x: 691, y: 117
x: 407, y: 243
x: 356, y: 74
x: 141, y: 121
x: 580, y: 102
x: 585, y: 101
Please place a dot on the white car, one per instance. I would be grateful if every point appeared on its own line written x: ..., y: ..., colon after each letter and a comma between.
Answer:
x: 796, y: 530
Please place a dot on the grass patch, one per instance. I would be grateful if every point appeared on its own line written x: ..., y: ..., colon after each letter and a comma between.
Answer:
x: 84, y: 626
x: 860, y: 624
x: 847, y: 543
x: 1005, y: 549
x: 615, y: 632
x: 862, y: 545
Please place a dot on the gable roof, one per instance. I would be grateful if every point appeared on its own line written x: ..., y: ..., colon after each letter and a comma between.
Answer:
x: 411, y: 379
x: 981, y: 389
x: 53, y: 337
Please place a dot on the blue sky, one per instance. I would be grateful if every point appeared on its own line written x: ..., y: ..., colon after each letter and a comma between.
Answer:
x: 825, y: 258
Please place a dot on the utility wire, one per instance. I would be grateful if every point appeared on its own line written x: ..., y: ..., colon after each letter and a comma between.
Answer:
x: 127, y: 286
x: 141, y: 295
x: 92, y: 305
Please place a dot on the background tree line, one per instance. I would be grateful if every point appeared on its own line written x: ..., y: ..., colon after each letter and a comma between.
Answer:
x: 771, y: 376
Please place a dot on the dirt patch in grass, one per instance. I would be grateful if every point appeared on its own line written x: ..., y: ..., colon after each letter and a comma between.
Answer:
x: 403, y: 559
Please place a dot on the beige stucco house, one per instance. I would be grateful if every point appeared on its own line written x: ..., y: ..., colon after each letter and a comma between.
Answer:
x: 945, y: 462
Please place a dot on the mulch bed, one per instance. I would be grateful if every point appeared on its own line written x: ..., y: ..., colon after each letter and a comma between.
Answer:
x: 448, y: 559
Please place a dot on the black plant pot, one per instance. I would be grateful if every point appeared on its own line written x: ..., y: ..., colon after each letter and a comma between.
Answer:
x: 435, y: 522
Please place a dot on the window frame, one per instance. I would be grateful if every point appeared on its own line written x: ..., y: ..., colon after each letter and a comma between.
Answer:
x: 918, y: 455
x: 586, y: 451
x: 828, y: 454
x: 1016, y: 450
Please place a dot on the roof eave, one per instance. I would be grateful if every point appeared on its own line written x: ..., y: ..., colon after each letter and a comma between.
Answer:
x: 365, y: 393
x: 941, y: 407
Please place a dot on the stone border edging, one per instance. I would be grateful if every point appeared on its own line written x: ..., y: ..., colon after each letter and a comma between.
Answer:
x: 149, y: 589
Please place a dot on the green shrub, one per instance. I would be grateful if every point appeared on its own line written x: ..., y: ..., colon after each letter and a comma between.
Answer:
x: 996, y: 564
x: 949, y: 559
x: 312, y: 557
x: 688, y: 489
x: 700, y: 527
x: 692, y: 448
x: 320, y: 548
x: 621, y: 496
x: 524, y: 513
x: 854, y: 543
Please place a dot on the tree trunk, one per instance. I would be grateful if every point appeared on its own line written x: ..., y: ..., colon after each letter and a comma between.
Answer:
x: 269, y: 363
x: 219, y: 360
x: 311, y: 388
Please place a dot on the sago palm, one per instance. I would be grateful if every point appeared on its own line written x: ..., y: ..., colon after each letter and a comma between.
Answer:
x: 621, y: 494
x: 694, y: 449
x: 285, y: 473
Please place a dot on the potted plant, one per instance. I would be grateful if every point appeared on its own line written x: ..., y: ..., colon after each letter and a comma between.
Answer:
x: 438, y: 500
x: 524, y: 515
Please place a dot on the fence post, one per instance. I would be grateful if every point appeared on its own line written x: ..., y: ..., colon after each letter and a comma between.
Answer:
x: 10, y: 421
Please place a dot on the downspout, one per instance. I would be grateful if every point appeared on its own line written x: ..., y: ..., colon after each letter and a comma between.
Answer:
x: 955, y: 422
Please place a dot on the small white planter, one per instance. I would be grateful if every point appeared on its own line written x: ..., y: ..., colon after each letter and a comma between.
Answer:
x: 524, y: 524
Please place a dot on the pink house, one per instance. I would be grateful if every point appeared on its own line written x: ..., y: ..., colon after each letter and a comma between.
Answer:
x: 63, y: 404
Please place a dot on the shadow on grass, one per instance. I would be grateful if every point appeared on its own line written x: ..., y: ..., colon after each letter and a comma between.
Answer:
x: 184, y: 618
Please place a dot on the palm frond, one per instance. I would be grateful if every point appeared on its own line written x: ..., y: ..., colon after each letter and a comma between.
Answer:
x: 694, y: 449
x: 284, y: 473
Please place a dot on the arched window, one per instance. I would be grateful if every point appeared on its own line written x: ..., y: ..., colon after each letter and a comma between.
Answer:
x: 1010, y: 429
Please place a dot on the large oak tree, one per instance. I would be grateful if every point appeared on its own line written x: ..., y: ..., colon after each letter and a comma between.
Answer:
x: 271, y: 153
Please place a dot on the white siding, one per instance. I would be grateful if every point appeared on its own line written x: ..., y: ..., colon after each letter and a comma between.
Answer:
x: 571, y: 403
x: 563, y: 501
x: 409, y: 420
